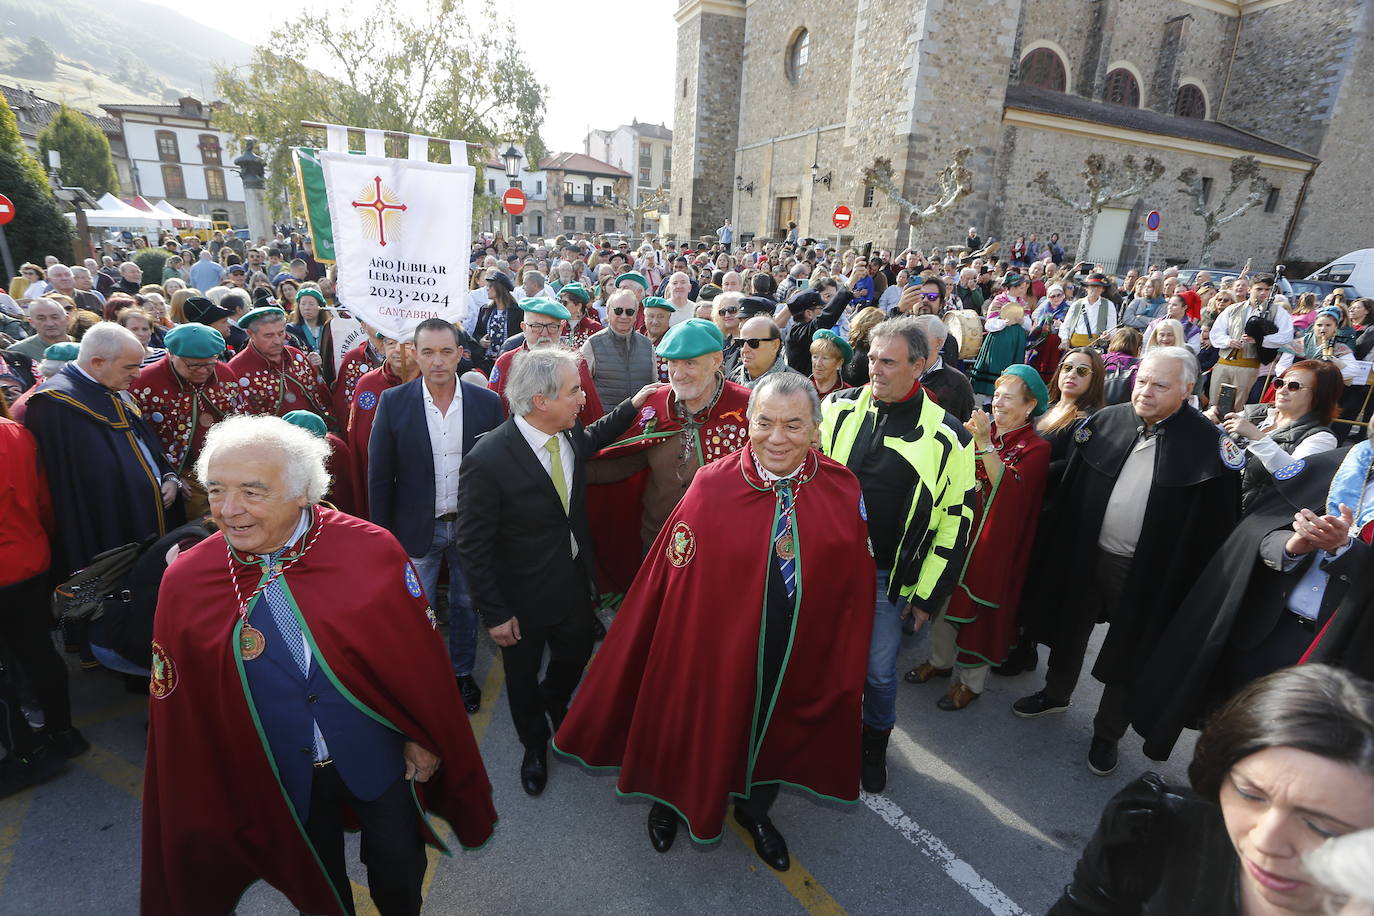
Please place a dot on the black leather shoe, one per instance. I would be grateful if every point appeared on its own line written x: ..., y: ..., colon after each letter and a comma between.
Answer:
x: 768, y: 843
x: 662, y: 827
x: 873, y: 775
x: 534, y: 770
x: 472, y: 694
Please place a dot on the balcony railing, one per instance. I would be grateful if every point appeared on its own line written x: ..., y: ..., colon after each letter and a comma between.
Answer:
x: 585, y: 200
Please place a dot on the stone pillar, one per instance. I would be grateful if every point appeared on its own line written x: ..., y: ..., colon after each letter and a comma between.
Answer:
x: 706, y: 91
x: 253, y: 172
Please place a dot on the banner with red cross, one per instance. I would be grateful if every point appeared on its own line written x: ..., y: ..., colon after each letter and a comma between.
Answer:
x: 402, y: 230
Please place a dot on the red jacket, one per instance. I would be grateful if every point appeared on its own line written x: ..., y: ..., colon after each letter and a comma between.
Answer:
x: 25, y: 505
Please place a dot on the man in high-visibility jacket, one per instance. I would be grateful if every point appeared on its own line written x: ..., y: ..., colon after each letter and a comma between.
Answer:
x: 915, y: 463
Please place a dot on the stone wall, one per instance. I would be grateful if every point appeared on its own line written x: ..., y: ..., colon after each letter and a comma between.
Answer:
x: 1024, y: 209
x: 1288, y: 66
x: 1334, y: 220
x: 709, y: 44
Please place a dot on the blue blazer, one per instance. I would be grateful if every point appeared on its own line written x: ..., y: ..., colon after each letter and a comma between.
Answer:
x: 400, y: 472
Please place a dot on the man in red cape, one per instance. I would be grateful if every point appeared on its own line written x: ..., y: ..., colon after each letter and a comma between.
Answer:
x: 276, y: 378
x: 182, y: 395
x: 398, y: 368
x: 236, y: 789
x: 640, y: 478
x: 709, y: 684
x: 366, y: 357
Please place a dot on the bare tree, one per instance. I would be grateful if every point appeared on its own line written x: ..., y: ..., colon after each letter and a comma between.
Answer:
x: 1104, y: 184
x: 956, y: 183
x: 649, y: 201
x: 1244, y: 169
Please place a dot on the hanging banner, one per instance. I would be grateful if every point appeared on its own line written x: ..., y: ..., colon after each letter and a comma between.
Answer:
x: 402, y: 233
x: 310, y: 177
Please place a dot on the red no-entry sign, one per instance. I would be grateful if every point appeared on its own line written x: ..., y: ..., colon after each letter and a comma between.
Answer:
x: 842, y: 216
x: 514, y: 201
x: 6, y: 210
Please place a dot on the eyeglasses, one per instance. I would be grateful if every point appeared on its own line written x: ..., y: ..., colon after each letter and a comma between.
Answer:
x: 754, y: 342
x: 1291, y: 386
x: 931, y: 297
x: 543, y: 325
x: 1080, y: 371
x: 1056, y: 295
x: 730, y: 311
x: 618, y: 310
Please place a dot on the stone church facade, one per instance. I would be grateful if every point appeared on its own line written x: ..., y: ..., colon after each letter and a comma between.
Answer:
x: 782, y: 104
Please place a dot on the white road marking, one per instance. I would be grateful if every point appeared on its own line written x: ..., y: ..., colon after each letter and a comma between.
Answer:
x: 933, y: 848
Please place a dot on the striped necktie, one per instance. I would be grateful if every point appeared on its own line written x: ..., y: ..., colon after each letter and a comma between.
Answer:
x: 787, y: 554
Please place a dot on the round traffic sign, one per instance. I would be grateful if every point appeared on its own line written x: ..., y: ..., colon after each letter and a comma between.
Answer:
x: 842, y: 216
x: 514, y: 201
x: 1152, y: 220
x: 6, y: 210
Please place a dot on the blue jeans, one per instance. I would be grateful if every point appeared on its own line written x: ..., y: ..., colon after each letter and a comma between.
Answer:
x: 462, y: 619
x: 880, y: 690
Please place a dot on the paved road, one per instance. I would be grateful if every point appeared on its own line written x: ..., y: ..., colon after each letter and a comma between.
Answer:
x: 984, y: 813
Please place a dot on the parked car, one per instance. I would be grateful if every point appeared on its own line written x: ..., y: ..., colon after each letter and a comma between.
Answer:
x: 1186, y: 276
x: 1321, y: 289
x: 1355, y: 271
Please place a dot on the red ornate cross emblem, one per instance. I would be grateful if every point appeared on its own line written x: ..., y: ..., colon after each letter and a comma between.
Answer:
x: 382, y: 201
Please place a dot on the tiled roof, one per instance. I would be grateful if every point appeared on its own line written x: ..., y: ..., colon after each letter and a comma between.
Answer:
x: 581, y: 164
x: 34, y: 111
x: 653, y: 131
x: 1066, y: 105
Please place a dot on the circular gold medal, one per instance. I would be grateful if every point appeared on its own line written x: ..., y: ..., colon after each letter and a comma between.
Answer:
x: 785, y: 548
x: 251, y: 642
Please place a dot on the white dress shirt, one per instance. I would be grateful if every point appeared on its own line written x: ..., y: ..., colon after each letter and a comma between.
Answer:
x: 1221, y: 330
x: 446, y: 445
x: 537, y: 440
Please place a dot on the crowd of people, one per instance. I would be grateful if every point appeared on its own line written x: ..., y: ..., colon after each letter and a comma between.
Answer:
x: 740, y: 467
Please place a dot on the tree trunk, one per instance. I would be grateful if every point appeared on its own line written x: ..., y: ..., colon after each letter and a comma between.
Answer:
x: 1085, y: 234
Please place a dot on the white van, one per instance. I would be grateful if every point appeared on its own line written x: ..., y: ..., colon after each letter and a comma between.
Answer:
x: 1355, y: 269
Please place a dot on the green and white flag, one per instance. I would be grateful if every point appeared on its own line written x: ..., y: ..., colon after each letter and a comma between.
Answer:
x: 310, y: 175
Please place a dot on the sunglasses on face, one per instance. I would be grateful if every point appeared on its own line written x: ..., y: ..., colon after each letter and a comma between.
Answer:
x: 618, y: 310
x: 931, y: 297
x: 753, y: 343
x: 729, y: 311
x: 1056, y: 295
x: 1080, y: 371
x: 1290, y: 385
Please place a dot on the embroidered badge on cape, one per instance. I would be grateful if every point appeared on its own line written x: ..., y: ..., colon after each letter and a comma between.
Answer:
x: 682, y: 545
x: 367, y: 400
x: 1232, y: 455
x: 1082, y: 434
x: 1290, y: 470
x: 863, y: 510
x: 413, y: 582
x: 495, y: 375
x: 164, y: 674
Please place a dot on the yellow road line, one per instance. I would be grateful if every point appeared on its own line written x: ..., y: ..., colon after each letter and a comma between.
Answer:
x: 13, y: 810
x: 800, y: 883
x: 113, y: 769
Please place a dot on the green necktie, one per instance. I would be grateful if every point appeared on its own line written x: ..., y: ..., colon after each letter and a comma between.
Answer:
x: 556, y: 469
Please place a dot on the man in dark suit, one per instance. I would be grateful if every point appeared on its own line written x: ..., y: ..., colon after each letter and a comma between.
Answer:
x: 422, y: 432
x: 525, y: 544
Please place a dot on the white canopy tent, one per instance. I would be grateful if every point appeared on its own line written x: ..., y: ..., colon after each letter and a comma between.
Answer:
x: 114, y: 212
x: 181, y: 216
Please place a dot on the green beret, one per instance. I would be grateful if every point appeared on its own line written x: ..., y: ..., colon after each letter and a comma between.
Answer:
x: 541, y: 305
x: 658, y: 302
x: 64, y: 352
x: 577, y: 291
x: 194, y: 341
x: 307, y: 421
x: 263, y: 313
x: 632, y: 275
x: 1034, y: 384
x: 313, y: 294
x: 693, y: 338
x: 845, y: 349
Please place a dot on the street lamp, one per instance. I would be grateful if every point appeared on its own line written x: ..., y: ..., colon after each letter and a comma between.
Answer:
x: 512, y: 159
x: 741, y: 186
x: 817, y: 177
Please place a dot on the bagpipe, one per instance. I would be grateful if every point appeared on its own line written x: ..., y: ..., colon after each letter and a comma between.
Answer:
x: 1261, y: 324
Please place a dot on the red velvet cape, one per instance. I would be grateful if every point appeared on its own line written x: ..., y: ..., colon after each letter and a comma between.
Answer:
x: 278, y: 390
x: 355, y: 364
x: 215, y: 817
x: 986, y: 600
x: 614, y: 509
x: 181, y: 413
x: 362, y: 414
x: 671, y: 696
